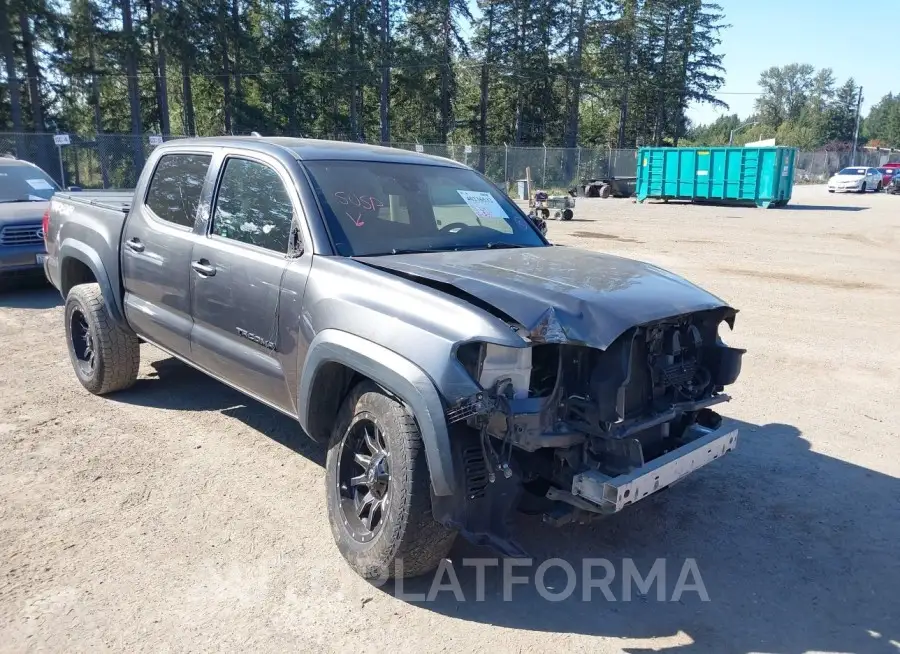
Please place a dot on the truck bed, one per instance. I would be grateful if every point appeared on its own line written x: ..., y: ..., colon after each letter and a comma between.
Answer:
x: 88, y: 222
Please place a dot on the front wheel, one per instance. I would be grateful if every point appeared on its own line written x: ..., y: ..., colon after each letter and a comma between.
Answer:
x: 378, y: 489
x: 105, y: 355
x: 862, y: 189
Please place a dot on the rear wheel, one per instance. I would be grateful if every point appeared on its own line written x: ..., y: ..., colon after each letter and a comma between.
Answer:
x: 105, y: 355
x: 878, y: 188
x: 378, y: 489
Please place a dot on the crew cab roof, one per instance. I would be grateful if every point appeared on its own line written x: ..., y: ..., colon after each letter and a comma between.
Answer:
x: 316, y: 149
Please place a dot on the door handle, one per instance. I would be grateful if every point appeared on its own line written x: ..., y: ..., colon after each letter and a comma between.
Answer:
x: 135, y: 245
x: 203, y: 267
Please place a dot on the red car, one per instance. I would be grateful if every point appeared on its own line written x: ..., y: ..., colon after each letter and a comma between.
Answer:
x: 889, y: 171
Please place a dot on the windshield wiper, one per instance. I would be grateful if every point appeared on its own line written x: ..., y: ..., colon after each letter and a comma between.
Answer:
x: 412, y: 250
x: 492, y: 246
x: 497, y: 246
x: 457, y: 248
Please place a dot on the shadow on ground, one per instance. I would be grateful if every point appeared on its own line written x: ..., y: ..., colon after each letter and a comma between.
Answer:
x: 796, y: 549
x: 28, y: 295
x: 176, y: 386
x: 821, y: 207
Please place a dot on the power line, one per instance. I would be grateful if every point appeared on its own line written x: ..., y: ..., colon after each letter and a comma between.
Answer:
x: 506, y: 70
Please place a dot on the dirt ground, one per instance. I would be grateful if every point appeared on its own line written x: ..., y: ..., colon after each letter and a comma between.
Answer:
x: 180, y: 516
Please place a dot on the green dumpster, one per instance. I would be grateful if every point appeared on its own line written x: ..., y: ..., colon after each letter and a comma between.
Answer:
x: 761, y: 176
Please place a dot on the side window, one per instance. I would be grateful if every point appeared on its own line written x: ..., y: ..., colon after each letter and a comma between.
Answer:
x: 252, y: 206
x: 174, y: 192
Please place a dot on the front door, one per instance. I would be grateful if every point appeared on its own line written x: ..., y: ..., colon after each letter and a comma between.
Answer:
x: 157, y: 241
x: 236, y: 271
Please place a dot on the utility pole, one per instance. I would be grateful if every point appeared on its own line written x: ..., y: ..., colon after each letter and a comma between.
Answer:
x: 738, y: 129
x: 856, y: 130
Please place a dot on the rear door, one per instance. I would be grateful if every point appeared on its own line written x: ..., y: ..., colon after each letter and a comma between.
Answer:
x: 156, y: 250
x: 237, y: 271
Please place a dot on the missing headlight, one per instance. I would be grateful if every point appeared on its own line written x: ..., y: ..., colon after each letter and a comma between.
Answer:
x: 469, y: 355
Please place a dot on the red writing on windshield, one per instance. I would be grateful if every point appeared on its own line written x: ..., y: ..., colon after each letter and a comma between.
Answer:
x: 364, y: 202
x: 358, y: 221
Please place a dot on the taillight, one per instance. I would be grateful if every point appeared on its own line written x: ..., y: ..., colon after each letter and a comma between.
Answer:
x: 45, y: 224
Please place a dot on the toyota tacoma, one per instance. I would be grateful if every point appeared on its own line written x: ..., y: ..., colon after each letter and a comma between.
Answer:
x: 407, y: 313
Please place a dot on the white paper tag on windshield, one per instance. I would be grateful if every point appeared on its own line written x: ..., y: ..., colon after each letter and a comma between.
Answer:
x: 39, y: 184
x: 483, y: 204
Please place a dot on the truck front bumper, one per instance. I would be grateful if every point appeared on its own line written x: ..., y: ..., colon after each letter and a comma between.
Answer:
x: 612, y: 494
x: 22, y: 259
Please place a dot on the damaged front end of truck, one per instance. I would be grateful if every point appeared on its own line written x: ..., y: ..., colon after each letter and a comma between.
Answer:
x: 586, y: 431
x: 610, y: 397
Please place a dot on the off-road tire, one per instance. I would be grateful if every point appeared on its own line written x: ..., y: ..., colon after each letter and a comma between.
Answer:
x: 116, y: 348
x: 409, y: 532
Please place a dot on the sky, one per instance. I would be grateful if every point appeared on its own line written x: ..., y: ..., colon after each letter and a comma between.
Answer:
x: 823, y: 33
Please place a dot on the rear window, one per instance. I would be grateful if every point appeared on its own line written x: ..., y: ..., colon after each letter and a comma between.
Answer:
x: 22, y: 182
x: 174, y: 193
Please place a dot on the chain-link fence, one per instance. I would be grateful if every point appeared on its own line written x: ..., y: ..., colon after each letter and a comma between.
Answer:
x: 115, y: 160
x: 96, y: 161
x: 551, y: 168
x: 817, y: 167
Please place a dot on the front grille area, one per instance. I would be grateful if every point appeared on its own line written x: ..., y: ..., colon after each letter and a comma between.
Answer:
x: 21, y: 234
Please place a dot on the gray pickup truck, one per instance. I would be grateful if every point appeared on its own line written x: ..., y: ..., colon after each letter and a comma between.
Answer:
x: 412, y: 317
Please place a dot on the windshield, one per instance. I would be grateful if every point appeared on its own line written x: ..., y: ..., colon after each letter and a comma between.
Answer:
x: 853, y: 171
x: 375, y: 208
x: 21, y: 182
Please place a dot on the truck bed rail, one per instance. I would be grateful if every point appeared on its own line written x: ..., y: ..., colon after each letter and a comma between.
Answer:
x: 118, y: 200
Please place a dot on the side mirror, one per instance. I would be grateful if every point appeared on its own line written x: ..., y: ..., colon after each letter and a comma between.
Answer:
x: 75, y: 189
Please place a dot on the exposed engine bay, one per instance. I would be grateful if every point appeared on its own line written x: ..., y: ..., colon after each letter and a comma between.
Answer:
x: 551, y: 414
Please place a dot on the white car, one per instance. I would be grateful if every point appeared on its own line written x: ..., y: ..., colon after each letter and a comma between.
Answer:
x: 856, y: 179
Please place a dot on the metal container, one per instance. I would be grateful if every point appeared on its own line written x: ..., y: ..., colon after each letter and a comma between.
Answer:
x: 522, y: 187
x: 760, y: 176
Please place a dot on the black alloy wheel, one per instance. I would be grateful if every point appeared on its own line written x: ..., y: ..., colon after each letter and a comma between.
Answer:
x: 82, y: 343
x: 364, y: 478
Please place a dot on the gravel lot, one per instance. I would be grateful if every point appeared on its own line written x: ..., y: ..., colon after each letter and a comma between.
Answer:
x: 180, y: 516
